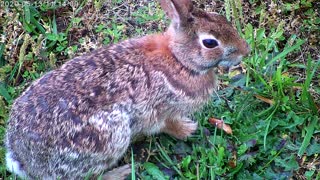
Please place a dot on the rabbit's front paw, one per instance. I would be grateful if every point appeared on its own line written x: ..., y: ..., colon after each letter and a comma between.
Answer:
x: 181, y: 128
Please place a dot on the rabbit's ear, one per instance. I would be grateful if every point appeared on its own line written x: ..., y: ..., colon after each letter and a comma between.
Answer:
x: 177, y: 10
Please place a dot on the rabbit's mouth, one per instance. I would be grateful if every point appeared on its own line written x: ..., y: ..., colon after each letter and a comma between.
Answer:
x: 228, y: 63
x: 225, y: 63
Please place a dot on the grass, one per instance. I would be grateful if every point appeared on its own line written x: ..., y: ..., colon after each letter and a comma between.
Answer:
x: 272, y: 108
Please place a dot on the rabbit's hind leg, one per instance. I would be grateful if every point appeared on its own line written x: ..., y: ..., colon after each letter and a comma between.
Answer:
x: 102, y: 142
x: 119, y: 173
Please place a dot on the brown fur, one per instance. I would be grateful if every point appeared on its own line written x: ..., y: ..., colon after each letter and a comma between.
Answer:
x: 81, y: 117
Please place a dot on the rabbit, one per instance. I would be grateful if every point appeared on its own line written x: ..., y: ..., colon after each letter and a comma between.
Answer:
x: 79, y: 119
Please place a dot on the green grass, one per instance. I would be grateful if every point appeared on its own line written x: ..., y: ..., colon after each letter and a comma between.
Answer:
x: 273, y: 108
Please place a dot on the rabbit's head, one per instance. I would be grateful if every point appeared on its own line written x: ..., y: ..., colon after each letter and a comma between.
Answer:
x: 202, y: 40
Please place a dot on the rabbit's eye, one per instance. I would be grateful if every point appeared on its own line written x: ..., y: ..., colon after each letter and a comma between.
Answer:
x: 210, y: 43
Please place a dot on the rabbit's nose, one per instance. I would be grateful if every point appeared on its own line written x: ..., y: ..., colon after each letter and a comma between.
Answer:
x: 230, y: 50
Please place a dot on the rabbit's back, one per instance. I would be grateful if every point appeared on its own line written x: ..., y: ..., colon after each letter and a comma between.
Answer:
x: 65, y: 122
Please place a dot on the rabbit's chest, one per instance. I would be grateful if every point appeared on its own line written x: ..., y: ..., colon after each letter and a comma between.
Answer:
x: 186, y: 106
x: 179, y: 105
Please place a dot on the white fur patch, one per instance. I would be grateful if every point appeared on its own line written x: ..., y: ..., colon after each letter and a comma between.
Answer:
x: 155, y: 129
x: 215, y: 13
x: 101, y: 119
x: 14, y: 166
x: 203, y: 36
x: 176, y: 16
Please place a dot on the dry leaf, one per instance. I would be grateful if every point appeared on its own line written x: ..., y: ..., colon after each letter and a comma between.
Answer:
x: 233, y: 161
x: 266, y: 100
x: 221, y: 125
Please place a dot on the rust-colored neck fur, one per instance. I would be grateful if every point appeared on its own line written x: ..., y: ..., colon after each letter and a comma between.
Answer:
x: 156, y: 44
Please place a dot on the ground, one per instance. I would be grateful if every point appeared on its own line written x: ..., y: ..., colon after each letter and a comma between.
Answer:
x: 271, y: 101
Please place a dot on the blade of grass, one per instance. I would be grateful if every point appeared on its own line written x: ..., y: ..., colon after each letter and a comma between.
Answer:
x: 212, y: 175
x: 307, y: 138
x: 34, y: 21
x: 286, y: 51
x: 1, y: 49
x: 27, y: 14
x: 133, y: 172
x: 2, y: 61
x: 13, y: 72
x: 264, y: 112
x: 269, y: 118
x: 38, y: 25
x: 168, y: 159
x: 236, y: 14
x: 279, y: 82
x: 30, y: 22
x: 5, y: 93
x: 271, y: 160
x: 54, y: 25
x: 228, y: 9
x: 306, y: 96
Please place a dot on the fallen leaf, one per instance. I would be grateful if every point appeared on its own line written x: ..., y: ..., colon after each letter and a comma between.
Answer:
x: 233, y: 161
x: 221, y: 125
x: 266, y: 100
